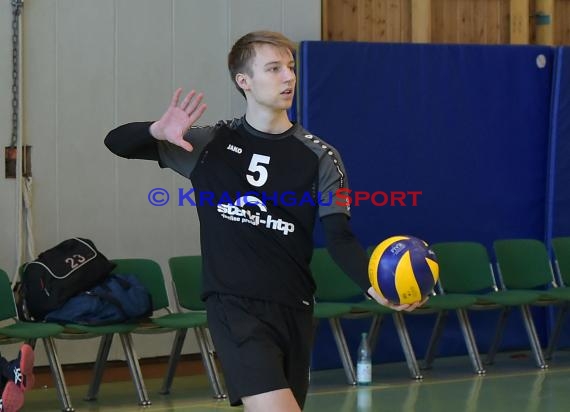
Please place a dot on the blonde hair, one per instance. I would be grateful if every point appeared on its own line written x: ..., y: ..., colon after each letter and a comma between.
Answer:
x: 243, y: 51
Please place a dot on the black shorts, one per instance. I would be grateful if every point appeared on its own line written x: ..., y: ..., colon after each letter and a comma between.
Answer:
x: 262, y: 346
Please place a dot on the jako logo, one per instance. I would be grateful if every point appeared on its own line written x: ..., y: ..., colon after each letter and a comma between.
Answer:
x: 235, y: 149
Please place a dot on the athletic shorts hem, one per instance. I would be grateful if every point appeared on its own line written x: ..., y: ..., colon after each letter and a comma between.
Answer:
x: 236, y: 400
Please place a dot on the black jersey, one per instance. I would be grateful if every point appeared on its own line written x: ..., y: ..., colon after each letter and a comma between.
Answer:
x: 257, y: 197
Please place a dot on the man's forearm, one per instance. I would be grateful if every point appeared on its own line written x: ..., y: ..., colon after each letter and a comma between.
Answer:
x: 345, y: 249
x: 133, y: 141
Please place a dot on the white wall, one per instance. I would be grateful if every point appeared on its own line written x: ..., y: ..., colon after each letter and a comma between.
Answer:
x: 8, y: 216
x: 90, y: 65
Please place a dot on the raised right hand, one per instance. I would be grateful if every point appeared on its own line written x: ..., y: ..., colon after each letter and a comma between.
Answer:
x: 178, y: 118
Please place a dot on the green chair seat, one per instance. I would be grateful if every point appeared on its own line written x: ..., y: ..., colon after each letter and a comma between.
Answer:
x: 18, y: 331
x: 465, y: 271
x: 74, y: 328
x: 524, y: 265
x: 186, y: 273
x: 324, y: 310
x: 452, y: 301
x: 31, y: 330
x: 561, y: 247
x: 561, y: 293
x: 335, y: 291
x: 181, y: 320
x: 150, y: 274
x: 510, y: 297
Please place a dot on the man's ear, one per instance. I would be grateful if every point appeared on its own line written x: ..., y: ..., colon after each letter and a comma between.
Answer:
x: 242, y: 81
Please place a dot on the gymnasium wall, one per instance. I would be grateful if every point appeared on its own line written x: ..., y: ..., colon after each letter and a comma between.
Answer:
x: 8, y: 213
x: 467, y: 126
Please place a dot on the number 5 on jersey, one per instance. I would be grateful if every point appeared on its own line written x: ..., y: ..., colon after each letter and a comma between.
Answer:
x: 259, y: 174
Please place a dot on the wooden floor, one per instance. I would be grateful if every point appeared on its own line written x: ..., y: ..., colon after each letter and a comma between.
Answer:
x: 512, y: 384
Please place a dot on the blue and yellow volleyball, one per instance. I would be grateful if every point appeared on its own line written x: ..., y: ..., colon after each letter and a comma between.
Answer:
x: 403, y: 269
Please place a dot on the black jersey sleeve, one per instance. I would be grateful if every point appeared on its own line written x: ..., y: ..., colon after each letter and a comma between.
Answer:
x: 332, y: 179
x: 134, y: 141
x: 345, y: 249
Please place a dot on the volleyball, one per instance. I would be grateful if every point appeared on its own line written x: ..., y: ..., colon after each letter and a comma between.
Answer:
x: 403, y: 269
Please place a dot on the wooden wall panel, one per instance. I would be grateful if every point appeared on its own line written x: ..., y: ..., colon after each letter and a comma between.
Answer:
x: 480, y: 29
x: 452, y: 21
x: 470, y: 21
x: 393, y: 20
x: 420, y: 21
x: 367, y: 20
x: 445, y: 28
x: 406, y: 20
x: 544, y: 9
x: 504, y: 21
x: 379, y: 19
x: 465, y: 21
x: 562, y: 22
x: 350, y: 16
x: 519, y: 22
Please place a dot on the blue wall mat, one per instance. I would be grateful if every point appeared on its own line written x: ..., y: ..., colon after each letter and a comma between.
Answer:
x: 561, y: 138
x: 465, y: 125
x: 560, y: 155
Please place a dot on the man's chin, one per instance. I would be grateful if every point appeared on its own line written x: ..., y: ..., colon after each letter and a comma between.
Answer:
x: 287, y: 105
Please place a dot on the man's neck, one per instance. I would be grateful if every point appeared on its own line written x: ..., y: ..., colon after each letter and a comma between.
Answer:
x: 274, y: 122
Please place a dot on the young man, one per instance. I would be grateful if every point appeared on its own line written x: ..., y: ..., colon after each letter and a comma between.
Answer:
x: 16, y: 376
x: 259, y: 183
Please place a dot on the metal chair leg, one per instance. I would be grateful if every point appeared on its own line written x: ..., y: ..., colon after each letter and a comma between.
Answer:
x: 134, y: 367
x: 343, y: 350
x: 57, y: 373
x: 407, y: 346
x: 498, y: 335
x: 434, y: 339
x: 470, y: 341
x: 533, y: 337
x: 100, y: 361
x: 209, y: 362
x: 374, y: 331
x: 556, y: 332
x: 173, y: 360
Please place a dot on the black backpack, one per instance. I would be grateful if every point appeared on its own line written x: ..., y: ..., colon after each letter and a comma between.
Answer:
x: 71, y: 267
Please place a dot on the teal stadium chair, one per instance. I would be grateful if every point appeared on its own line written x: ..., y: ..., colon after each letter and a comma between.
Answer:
x: 466, y: 271
x: 106, y: 333
x: 150, y: 275
x: 524, y: 266
x: 379, y: 313
x: 337, y: 297
x: 14, y: 330
x: 464, y: 274
x: 561, y: 247
x: 334, y: 290
x: 186, y: 272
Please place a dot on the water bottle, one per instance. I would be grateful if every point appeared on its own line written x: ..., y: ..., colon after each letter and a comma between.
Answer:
x: 364, y: 362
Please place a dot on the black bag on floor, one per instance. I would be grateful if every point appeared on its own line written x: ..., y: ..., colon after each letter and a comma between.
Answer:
x: 73, y: 266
